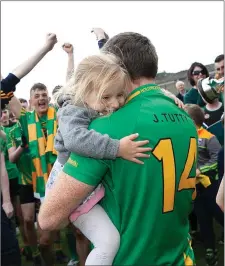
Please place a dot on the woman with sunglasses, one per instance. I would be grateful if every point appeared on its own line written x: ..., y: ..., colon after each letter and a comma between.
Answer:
x: 195, y: 72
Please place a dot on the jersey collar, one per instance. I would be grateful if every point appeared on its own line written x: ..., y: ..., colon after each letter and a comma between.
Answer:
x: 142, y: 89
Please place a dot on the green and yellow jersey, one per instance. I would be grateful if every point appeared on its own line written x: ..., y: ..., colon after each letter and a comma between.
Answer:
x: 11, y: 168
x: 24, y: 163
x: 40, y: 132
x: 149, y: 204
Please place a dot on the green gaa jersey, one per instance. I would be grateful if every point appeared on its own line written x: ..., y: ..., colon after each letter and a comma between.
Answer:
x: 24, y: 163
x: 11, y: 168
x: 149, y: 204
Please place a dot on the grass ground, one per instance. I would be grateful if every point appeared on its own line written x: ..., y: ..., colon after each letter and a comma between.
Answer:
x: 198, y: 248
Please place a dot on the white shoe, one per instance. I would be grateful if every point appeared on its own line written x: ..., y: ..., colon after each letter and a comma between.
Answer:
x: 72, y: 262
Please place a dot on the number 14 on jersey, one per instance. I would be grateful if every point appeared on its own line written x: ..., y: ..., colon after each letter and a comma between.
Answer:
x: 164, y: 153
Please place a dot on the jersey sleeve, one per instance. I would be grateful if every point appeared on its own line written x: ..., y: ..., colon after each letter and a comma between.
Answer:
x: 8, y: 84
x: 87, y: 170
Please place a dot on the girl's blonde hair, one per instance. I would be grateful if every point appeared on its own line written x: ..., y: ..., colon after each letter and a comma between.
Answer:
x: 96, y: 72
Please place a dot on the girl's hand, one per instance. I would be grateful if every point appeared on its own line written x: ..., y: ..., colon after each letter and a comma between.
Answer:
x: 131, y: 150
x: 178, y: 102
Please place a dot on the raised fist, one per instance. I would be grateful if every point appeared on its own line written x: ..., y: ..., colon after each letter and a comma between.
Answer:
x: 68, y: 48
x: 51, y: 40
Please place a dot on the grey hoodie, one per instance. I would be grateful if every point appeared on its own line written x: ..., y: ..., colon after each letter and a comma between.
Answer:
x: 73, y: 135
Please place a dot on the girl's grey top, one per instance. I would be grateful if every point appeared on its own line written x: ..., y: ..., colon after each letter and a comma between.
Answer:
x: 73, y: 135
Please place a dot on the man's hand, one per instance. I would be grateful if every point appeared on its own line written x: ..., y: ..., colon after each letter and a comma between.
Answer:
x: 131, y: 150
x: 8, y: 209
x: 15, y: 106
x: 178, y: 102
x: 51, y: 40
x: 68, y: 48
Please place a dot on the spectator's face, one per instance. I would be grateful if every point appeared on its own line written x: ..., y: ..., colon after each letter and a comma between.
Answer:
x: 220, y: 68
x: 180, y: 87
x: 39, y: 101
x: 5, y: 118
x: 197, y: 74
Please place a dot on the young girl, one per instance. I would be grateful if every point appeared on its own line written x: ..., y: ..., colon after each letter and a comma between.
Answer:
x: 99, y: 87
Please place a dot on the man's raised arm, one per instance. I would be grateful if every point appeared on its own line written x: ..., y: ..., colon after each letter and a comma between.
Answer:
x: 8, y: 84
x: 23, y: 69
x: 68, y: 48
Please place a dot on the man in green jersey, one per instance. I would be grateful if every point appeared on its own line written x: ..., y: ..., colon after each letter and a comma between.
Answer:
x: 19, y: 153
x: 13, y: 175
x: 155, y: 197
x: 39, y: 128
x: 10, y: 253
x: 12, y: 170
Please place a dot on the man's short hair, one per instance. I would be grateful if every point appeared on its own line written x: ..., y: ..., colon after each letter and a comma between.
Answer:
x: 219, y: 58
x: 22, y: 100
x: 196, y: 113
x: 136, y: 53
x: 39, y: 87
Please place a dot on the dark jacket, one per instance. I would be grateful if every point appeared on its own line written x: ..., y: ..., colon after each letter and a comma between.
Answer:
x: 180, y: 97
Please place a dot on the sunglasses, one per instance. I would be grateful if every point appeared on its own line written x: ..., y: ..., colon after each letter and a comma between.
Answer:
x: 197, y: 72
